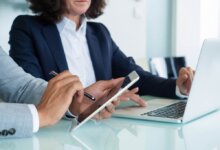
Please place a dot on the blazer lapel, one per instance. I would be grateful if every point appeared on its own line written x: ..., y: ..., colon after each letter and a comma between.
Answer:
x: 54, y: 43
x: 95, y: 53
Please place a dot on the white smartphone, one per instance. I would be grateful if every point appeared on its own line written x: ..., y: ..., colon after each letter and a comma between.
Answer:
x: 99, y: 105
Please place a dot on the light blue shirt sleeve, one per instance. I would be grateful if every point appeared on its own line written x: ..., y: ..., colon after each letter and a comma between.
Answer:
x: 17, y: 86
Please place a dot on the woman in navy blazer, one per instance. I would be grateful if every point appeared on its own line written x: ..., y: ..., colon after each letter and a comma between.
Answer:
x: 38, y: 47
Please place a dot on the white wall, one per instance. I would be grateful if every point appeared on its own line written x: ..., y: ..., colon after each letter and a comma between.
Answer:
x: 8, y: 11
x: 159, y: 20
x: 210, y: 19
x: 126, y: 20
x: 186, y: 33
x: 194, y: 21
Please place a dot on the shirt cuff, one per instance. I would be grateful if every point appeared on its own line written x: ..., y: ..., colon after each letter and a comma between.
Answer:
x: 35, y: 118
x: 69, y: 114
x: 178, y: 93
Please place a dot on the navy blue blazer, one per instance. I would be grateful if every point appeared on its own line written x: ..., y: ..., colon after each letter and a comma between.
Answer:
x: 36, y: 46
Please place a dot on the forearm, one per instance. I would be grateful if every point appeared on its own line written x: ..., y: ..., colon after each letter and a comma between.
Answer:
x: 16, y: 86
x: 156, y: 86
x: 148, y: 84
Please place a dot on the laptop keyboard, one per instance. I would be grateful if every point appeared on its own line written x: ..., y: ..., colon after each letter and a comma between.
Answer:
x: 171, y: 111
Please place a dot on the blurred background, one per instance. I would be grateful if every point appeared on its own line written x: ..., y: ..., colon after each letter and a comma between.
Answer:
x: 145, y: 29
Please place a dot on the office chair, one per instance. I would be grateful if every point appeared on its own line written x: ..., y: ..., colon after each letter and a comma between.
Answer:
x: 166, y: 67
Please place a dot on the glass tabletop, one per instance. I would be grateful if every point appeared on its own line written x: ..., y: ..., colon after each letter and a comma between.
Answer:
x: 124, y: 134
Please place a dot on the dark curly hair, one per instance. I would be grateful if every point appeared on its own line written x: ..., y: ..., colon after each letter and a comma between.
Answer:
x: 52, y: 10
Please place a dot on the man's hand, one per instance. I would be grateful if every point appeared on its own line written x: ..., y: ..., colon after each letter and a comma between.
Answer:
x: 58, y: 97
x: 184, y: 80
x: 99, y: 90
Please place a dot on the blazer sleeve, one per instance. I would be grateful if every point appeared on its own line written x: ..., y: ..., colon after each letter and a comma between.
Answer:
x: 148, y: 84
x: 22, y: 48
x: 16, y: 86
x: 16, y: 120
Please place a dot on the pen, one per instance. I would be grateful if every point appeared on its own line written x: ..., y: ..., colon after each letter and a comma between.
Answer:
x: 53, y: 73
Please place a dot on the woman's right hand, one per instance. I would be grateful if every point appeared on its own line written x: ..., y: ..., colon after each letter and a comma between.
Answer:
x: 99, y: 90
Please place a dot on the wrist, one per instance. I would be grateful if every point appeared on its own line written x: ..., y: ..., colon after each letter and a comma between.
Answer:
x: 42, y: 119
x: 179, y: 93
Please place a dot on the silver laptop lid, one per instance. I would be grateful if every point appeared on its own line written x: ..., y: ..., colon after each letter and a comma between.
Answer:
x: 205, y: 94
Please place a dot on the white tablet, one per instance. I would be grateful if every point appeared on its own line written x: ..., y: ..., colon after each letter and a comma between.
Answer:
x: 99, y: 105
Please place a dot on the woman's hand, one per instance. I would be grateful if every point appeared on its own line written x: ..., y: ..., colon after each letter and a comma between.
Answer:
x: 184, y: 81
x: 100, y: 91
x: 133, y: 96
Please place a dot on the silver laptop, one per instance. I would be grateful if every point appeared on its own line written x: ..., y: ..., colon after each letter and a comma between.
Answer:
x: 204, y: 95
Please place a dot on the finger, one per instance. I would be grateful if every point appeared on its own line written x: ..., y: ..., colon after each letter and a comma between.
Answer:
x: 57, y: 86
x: 182, y: 76
x: 72, y: 88
x: 109, y: 84
x: 188, y: 85
x: 124, y: 97
x: 75, y: 100
x: 79, y: 96
x: 189, y: 81
x: 110, y: 108
x: 185, y: 79
x: 98, y: 116
x: 62, y: 75
x: 118, y: 81
x: 104, y: 114
x: 190, y: 73
x: 134, y: 90
x: 137, y: 99
x: 65, y: 81
x: 116, y: 103
x: 187, y: 72
x: 65, y: 98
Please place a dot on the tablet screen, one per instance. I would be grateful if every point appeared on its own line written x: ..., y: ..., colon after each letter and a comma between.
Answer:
x: 98, y: 105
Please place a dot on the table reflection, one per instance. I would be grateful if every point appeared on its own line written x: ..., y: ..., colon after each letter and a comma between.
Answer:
x: 124, y: 134
x: 121, y: 134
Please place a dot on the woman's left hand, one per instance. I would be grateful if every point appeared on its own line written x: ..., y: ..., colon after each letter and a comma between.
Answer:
x: 133, y: 96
